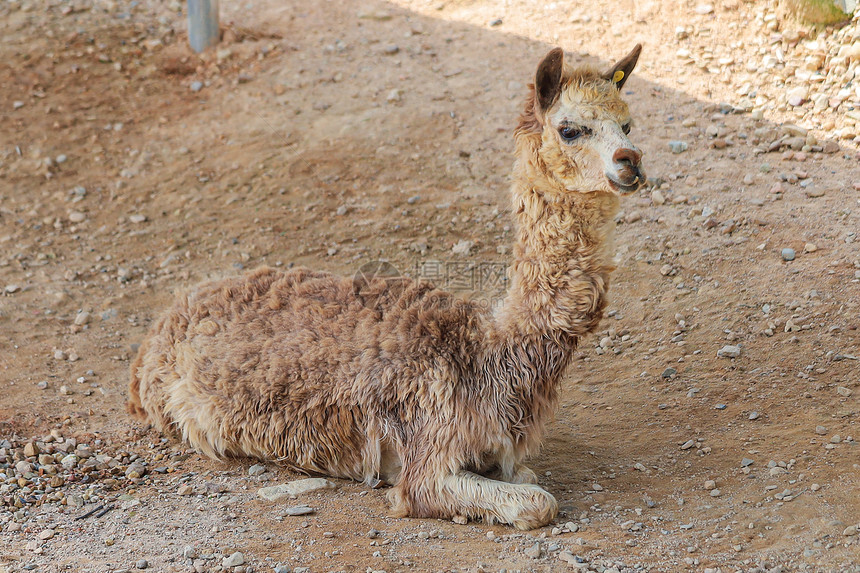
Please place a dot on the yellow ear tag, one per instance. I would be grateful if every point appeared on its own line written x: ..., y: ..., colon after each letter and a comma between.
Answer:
x: 618, y: 76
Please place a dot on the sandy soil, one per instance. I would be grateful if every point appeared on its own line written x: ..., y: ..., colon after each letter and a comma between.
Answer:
x: 334, y: 134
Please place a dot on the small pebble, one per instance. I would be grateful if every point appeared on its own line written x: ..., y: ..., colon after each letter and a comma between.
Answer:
x: 233, y: 560
x: 142, y: 564
x: 729, y: 351
x: 787, y: 254
x: 678, y: 146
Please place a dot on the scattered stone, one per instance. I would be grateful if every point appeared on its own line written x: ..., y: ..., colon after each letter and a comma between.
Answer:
x: 298, y: 487
x: 716, y: 493
x: 185, y: 489
x: 632, y: 217
x: 814, y: 487
x: 233, y: 560
x: 46, y: 534
x: 678, y: 146
x: 843, y: 391
x: 196, y: 86
x: 135, y: 470
x: 746, y: 462
x: 534, y: 551
x: 256, y: 469
x: 797, y: 96
x: 137, y: 218
x: 754, y: 416
x: 688, y: 444
x: 11, y: 289
x: 188, y: 552
x: 787, y: 254
x: 299, y: 510
x: 850, y: 531
x: 669, y: 372
x: 729, y: 351
x: 710, y: 484
x: 463, y: 247
x: 142, y: 564
x: 821, y: 430
x: 31, y: 449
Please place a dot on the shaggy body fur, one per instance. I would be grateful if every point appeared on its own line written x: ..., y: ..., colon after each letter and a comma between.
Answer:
x: 418, y: 389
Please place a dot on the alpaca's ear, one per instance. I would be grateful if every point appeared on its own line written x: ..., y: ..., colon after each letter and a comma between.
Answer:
x: 622, y: 70
x: 548, y: 78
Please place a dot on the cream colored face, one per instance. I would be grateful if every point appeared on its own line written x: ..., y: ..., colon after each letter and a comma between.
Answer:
x: 585, y: 141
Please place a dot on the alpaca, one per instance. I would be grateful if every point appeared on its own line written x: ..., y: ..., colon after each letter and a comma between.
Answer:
x: 435, y: 396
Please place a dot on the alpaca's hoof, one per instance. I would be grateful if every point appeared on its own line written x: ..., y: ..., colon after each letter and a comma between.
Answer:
x: 540, y: 510
x: 524, y: 474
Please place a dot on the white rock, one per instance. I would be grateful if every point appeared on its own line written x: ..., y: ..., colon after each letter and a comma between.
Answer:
x: 463, y: 247
x: 797, y: 96
x: 298, y: 487
x: 729, y: 351
x: 234, y: 560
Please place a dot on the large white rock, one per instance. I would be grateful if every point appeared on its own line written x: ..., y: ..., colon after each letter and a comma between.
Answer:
x: 298, y: 487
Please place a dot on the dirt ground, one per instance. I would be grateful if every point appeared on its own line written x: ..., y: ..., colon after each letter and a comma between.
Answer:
x: 335, y: 134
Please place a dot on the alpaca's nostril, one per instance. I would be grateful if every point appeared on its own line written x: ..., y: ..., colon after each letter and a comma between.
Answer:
x: 626, y: 156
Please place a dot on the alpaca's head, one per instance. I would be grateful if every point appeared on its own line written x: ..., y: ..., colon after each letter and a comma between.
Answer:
x: 582, y: 124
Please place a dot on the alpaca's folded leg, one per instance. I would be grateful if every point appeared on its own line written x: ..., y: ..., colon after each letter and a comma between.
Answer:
x: 523, y: 474
x: 525, y: 506
x: 513, y: 473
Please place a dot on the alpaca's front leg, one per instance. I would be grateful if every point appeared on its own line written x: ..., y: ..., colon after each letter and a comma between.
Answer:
x: 513, y: 473
x: 523, y: 474
x: 525, y: 506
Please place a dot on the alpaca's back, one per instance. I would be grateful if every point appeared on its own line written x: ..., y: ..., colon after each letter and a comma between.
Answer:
x: 297, y: 366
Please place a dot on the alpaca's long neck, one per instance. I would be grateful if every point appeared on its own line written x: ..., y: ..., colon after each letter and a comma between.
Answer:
x: 562, y: 256
x: 559, y: 280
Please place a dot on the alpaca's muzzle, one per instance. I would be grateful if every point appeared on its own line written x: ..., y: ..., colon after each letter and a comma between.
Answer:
x: 628, y: 176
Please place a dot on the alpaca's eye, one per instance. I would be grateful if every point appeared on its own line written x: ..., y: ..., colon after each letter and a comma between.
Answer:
x: 569, y: 133
x: 626, y: 128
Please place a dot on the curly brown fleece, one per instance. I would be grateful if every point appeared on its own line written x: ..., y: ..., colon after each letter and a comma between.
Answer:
x: 419, y: 389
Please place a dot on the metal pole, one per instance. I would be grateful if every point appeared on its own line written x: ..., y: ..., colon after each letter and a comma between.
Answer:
x: 203, y: 28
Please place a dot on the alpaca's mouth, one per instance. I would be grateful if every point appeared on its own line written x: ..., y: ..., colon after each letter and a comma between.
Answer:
x: 635, y: 183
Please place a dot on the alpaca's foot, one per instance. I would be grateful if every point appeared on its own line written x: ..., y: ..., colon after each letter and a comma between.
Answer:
x: 525, y: 506
x: 523, y: 474
x: 518, y: 473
